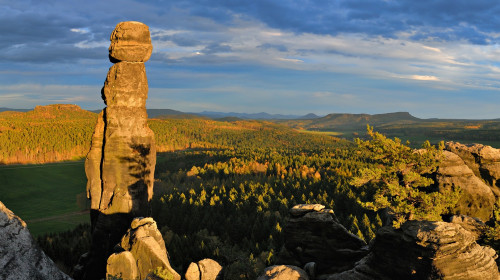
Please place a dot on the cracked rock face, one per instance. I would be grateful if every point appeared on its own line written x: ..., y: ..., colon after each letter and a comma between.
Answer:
x: 20, y: 257
x: 477, y: 198
x: 425, y: 250
x: 206, y: 269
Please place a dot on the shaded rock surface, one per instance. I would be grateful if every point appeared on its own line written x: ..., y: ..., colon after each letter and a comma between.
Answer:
x: 206, y: 269
x: 477, y: 198
x: 20, y: 257
x: 283, y: 272
x: 141, y: 250
x: 425, y: 250
x: 121, y: 161
x: 313, y: 234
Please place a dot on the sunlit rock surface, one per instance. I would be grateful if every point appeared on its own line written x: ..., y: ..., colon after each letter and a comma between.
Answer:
x: 141, y: 250
x: 20, y: 257
x: 283, y: 272
x: 477, y: 198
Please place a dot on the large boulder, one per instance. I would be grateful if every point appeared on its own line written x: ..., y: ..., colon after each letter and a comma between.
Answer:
x: 206, y: 269
x: 483, y: 160
x: 141, y: 251
x: 20, y: 257
x: 477, y: 198
x: 283, y: 272
x: 313, y: 234
x: 130, y: 41
x: 425, y: 250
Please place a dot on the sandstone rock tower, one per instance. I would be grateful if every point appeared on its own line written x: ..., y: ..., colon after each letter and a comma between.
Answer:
x: 120, y: 164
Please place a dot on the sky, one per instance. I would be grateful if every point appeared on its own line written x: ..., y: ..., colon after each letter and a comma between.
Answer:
x: 434, y: 59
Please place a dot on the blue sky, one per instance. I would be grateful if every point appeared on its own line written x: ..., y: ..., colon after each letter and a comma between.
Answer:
x: 436, y: 58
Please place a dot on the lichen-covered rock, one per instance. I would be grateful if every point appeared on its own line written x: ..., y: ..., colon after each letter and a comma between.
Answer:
x: 313, y: 234
x: 20, y: 257
x: 425, y: 250
x: 283, y: 272
x: 144, y: 247
x: 130, y: 41
x: 477, y: 198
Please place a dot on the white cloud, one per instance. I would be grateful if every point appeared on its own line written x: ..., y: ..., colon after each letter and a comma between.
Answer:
x: 424, y: 78
x: 80, y: 30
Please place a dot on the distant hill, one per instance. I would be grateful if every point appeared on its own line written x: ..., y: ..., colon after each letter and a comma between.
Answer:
x: 361, y: 120
x: 3, y: 109
x: 255, y: 116
x: 47, y: 112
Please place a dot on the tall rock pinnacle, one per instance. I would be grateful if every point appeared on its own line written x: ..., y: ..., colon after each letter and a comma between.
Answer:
x: 121, y: 162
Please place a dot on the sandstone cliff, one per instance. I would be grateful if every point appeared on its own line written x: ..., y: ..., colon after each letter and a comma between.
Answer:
x: 20, y: 257
x: 313, y: 234
x: 425, y: 250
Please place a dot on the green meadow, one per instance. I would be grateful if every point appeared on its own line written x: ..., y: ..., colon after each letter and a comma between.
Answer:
x: 49, y: 197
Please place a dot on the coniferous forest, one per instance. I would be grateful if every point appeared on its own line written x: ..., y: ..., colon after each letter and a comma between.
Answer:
x: 222, y: 189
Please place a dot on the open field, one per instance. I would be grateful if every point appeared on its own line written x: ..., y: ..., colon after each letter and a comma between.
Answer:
x: 45, y: 196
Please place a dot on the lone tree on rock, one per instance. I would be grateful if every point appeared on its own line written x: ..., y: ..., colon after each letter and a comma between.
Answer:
x: 399, y: 179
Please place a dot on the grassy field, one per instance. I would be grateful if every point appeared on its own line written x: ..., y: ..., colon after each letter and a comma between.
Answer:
x: 48, y: 197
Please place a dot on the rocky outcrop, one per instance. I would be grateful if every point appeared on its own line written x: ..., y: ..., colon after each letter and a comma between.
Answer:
x: 140, y: 251
x: 283, y: 272
x: 313, y: 234
x: 477, y: 198
x: 483, y: 160
x: 20, y: 257
x: 425, y: 250
x: 206, y: 269
x: 120, y: 164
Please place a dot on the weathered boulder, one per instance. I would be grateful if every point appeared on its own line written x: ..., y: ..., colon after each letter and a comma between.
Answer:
x: 483, y: 160
x: 313, y: 234
x: 122, y: 265
x: 126, y: 85
x: 130, y: 41
x: 425, y: 250
x: 283, y: 272
x: 477, y: 198
x: 20, y: 257
x: 206, y: 269
x: 471, y: 224
x: 141, y: 250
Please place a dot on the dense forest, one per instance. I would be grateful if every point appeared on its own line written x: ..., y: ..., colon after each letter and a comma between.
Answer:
x: 223, y: 188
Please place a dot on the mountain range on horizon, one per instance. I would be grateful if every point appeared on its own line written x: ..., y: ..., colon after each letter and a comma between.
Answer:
x: 337, y: 118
